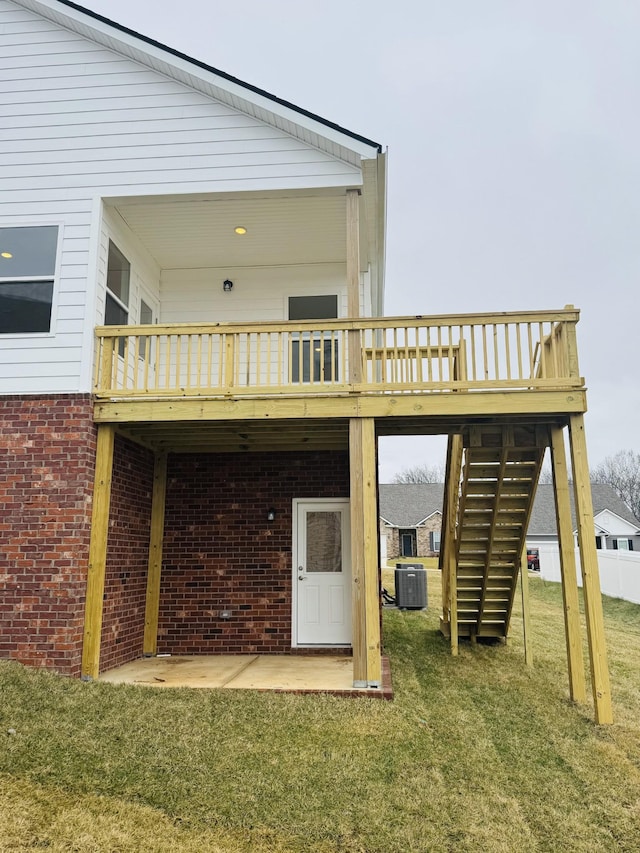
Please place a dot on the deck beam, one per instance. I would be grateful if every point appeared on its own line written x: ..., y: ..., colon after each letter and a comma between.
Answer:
x: 455, y: 407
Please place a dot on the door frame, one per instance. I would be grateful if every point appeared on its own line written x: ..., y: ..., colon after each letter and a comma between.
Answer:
x: 296, y: 502
x: 412, y: 534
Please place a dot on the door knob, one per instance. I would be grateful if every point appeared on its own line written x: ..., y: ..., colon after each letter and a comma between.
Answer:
x: 301, y: 578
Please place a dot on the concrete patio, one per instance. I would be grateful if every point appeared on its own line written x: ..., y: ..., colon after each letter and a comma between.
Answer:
x: 278, y: 673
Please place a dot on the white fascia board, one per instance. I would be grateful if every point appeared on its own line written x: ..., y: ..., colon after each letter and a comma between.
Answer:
x: 243, y: 97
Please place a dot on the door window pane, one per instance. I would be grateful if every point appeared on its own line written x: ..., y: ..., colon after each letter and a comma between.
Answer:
x: 322, y: 367
x: 146, y: 314
x: 324, y: 541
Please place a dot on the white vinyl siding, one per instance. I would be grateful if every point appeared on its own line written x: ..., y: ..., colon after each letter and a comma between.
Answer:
x: 82, y: 122
x: 128, y: 129
x: 259, y: 294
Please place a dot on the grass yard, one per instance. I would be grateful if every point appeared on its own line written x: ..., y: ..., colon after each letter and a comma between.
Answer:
x: 475, y: 754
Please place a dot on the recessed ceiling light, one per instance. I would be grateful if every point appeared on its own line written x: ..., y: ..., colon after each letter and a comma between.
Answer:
x: 240, y: 229
x: 6, y: 254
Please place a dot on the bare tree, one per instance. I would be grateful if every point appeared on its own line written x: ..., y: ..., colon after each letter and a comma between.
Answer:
x: 622, y: 472
x: 421, y: 474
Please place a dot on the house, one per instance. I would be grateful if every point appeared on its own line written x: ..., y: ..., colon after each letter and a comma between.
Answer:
x: 615, y: 527
x: 410, y: 519
x: 195, y: 370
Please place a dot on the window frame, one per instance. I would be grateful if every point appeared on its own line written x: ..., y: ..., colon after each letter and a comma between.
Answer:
x: 109, y: 294
x: 54, y: 279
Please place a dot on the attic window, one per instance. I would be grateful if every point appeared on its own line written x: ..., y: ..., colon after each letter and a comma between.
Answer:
x: 27, y: 272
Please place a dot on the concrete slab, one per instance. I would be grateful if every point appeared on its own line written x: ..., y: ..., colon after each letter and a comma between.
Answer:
x: 280, y: 673
x: 196, y: 671
x: 275, y: 672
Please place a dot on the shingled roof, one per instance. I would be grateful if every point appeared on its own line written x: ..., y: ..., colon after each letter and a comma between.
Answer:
x: 408, y: 504
x: 543, y: 515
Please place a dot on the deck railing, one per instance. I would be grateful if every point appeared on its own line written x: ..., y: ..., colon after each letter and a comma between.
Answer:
x: 440, y: 354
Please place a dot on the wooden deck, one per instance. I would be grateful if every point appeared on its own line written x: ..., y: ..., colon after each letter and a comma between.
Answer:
x: 456, y: 366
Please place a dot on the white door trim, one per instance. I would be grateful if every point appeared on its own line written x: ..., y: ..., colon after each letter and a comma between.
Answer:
x: 343, y: 503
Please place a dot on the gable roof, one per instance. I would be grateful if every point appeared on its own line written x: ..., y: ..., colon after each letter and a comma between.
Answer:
x: 409, y: 504
x: 249, y: 99
x: 543, y: 515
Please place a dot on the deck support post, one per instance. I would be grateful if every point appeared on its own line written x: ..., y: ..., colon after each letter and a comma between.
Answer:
x: 590, y: 575
x: 152, y: 605
x: 575, y: 664
x: 353, y: 283
x: 526, y: 611
x: 367, y: 665
x: 449, y: 557
x: 98, y: 552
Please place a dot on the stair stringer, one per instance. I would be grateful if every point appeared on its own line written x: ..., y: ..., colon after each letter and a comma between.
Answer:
x: 499, y: 476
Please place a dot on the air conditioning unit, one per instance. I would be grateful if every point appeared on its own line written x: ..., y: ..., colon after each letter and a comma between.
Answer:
x: 411, y: 586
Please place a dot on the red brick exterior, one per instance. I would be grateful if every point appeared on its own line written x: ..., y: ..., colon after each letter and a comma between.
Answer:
x: 221, y: 553
x: 127, y: 555
x: 47, y: 459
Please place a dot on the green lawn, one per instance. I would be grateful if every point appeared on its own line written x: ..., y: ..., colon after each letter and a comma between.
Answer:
x: 476, y: 753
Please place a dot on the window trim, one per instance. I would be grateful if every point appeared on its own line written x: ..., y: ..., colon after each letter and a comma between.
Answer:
x: 55, y: 278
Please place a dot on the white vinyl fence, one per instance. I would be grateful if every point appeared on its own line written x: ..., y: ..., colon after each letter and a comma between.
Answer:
x: 619, y: 571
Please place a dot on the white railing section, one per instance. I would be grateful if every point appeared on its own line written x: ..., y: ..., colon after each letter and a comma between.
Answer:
x: 527, y: 351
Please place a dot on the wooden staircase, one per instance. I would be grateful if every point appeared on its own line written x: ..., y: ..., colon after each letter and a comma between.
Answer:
x: 492, y: 477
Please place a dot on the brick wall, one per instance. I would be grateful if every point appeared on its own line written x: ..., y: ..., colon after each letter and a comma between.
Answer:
x: 47, y: 459
x: 423, y: 543
x: 127, y: 555
x: 220, y: 552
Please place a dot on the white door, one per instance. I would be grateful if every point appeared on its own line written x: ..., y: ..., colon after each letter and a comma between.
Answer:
x: 321, y: 573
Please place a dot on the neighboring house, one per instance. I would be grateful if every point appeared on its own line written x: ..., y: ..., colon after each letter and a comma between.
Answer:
x: 195, y: 367
x: 410, y: 519
x: 615, y: 527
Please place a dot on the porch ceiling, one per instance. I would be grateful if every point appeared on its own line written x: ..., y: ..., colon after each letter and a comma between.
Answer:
x: 191, y: 232
x: 245, y: 436
x: 240, y: 436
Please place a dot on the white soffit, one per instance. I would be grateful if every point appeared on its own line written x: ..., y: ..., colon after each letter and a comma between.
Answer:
x: 242, y: 97
x: 198, y: 231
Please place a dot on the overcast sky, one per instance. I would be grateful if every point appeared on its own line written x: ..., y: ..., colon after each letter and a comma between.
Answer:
x: 513, y: 131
